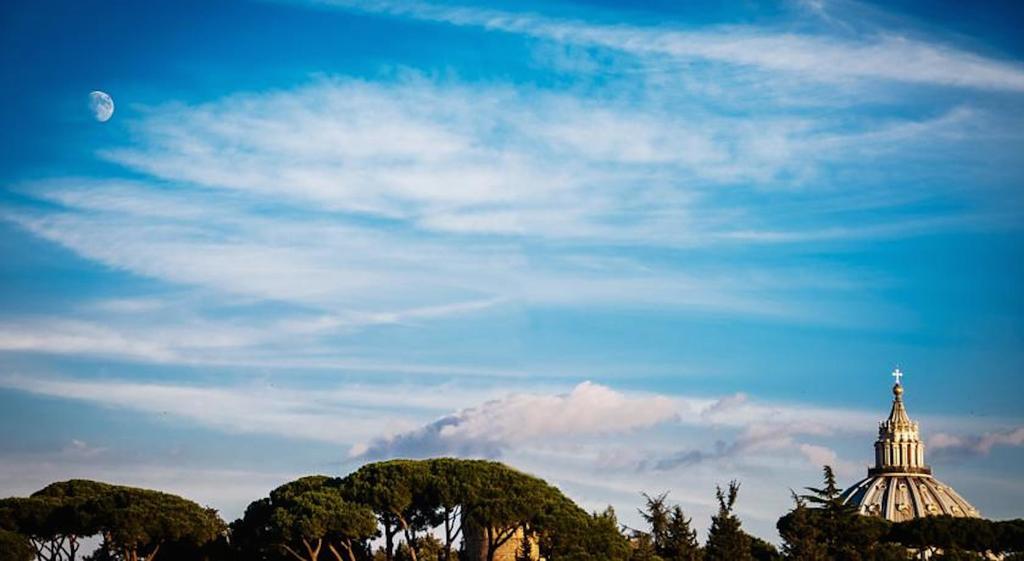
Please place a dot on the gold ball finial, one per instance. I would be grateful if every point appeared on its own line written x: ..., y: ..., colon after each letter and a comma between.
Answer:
x: 897, y: 389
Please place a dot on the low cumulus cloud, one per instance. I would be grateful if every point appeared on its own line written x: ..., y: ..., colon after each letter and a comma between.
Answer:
x: 519, y: 422
x: 493, y: 427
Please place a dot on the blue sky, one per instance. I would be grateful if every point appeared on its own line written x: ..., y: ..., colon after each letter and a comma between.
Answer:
x: 627, y: 248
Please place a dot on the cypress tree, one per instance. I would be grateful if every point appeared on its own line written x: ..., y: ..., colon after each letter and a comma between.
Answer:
x: 846, y: 535
x: 726, y: 540
x: 801, y: 538
x: 836, y: 517
x: 656, y: 514
x: 681, y: 539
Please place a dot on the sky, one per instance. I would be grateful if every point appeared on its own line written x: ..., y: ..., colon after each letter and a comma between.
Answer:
x: 627, y: 247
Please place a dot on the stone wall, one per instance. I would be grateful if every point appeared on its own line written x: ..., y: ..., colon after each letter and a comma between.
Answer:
x: 475, y: 544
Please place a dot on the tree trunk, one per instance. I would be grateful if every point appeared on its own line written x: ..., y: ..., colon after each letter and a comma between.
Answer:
x: 453, y: 518
x: 66, y: 546
x: 410, y: 536
x: 154, y: 552
x: 59, y: 550
x: 490, y: 543
x: 389, y: 540
x: 37, y: 545
x: 410, y: 539
x: 293, y: 553
x: 449, y: 525
x: 314, y: 554
x: 347, y: 544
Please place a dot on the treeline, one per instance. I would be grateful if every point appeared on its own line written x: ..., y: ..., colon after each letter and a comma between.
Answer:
x: 459, y: 510
x: 821, y: 528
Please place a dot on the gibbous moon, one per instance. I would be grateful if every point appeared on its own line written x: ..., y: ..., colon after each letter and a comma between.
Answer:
x: 102, y: 106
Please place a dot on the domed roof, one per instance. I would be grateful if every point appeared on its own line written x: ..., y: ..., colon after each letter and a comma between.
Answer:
x: 900, y: 486
x: 898, y: 497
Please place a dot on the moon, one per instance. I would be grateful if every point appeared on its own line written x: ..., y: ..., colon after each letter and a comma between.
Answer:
x: 101, y: 105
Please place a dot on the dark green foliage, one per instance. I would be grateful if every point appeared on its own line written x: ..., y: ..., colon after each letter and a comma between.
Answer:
x: 103, y: 553
x: 833, y: 517
x: 1010, y: 536
x: 430, y: 548
x: 134, y: 523
x: 604, y: 541
x: 15, y: 547
x: 656, y: 514
x: 562, y: 528
x: 671, y: 535
x: 52, y: 524
x: 451, y: 484
x: 681, y: 539
x: 835, y: 532
x: 403, y: 552
x: 643, y: 548
x: 565, y: 531
x: 426, y: 503
x: 399, y: 492
x: 960, y: 538
x: 726, y: 540
x: 508, y: 500
x: 761, y: 550
x: 304, y: 519
x: 218, y: 549
x: 492, y: 500
x: 846, y: 535
x: 36, y: 520
x: 75, y: 489
x: 801, y: 538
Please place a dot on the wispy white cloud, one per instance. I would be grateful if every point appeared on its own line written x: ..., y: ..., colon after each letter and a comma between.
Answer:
x: 358, y: 275
x: 62, y: 336
x: 342, y: 415
x: 502, y: 160
x: 293, y: 343
x: 412, y: 200
x: 879, y: 56
x: 125, y: 305
x: 371, y: 148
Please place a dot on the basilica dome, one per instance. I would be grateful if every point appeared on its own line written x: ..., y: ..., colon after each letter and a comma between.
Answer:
x: 901, y: 486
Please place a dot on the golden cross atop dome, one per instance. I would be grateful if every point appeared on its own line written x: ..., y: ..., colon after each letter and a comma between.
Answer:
x: 897, y: 374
